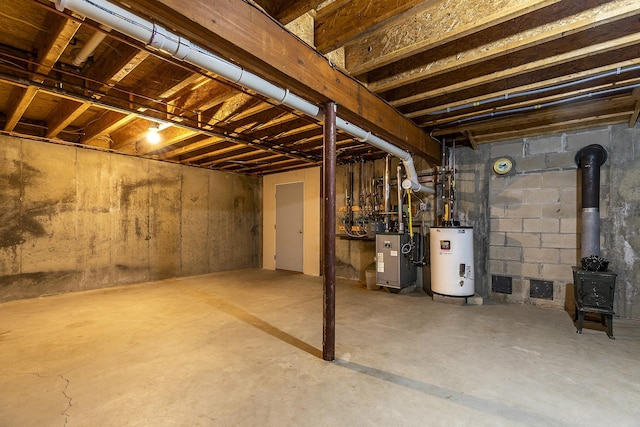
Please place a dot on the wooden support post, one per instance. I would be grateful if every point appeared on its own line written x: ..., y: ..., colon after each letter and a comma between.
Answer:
x: 329, y: 240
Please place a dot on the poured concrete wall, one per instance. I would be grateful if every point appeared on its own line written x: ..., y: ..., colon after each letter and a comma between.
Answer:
x: 74, y: 219
x: 532, y: 218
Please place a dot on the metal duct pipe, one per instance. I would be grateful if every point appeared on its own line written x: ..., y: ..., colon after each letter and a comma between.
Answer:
x: 411, y: 183
x: 182, y: 49
x: 589, y: 159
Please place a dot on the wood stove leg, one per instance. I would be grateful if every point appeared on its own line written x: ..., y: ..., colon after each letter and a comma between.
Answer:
x: 610, y: 326
x: 580, y: 319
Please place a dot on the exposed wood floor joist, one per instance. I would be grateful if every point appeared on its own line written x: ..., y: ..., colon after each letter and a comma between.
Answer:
x: 475, y: 72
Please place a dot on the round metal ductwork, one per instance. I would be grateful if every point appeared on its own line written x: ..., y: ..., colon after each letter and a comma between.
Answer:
x: 590, y: 159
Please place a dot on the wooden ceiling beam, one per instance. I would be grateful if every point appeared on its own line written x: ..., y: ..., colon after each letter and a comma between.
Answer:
x: 206, y: 96
x: 108, y: 71
x: 543, y: 82
x: 188, y: 82
x: 472, y: 140
x: 164, y: 79
x: 220, y: 148
x: 340, y: 25
x: 19, y: 102
x: 286, y: 11
x: 276, y: 128
x: 224, y: 155
x: 209, y: 141
x: 296, y: 137
x: 280, y: 120
x: 636, y: 109
x: 552, y: 62
x: 252, y: 122
x: 260, y: 160
x: 49, y: 46
x: 229, y: 109
x: 127, y: 136
x: 168, y: 137
x: 63, y: 115
x: 313, y: 142
x: 503, y: 41
x: 276, y: 167
x: 110, y: 68
x: 500, y: 108
x: 241, y: 33
x: 584, y: 110
x: 246, y: 155
x: 432, y: 25
x: 282, y: 168
x: 303, y: 129
x: 552, y: 128
x: 109, y: 122
x: 206, y: 142
x: 240, y: 118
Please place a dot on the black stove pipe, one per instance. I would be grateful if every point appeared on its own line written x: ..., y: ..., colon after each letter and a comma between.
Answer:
x: 589, y: 159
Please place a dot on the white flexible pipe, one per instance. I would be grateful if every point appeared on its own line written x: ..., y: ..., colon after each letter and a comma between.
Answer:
x: 412, y: 176
x: 163, y: 40
x: 90, y: 46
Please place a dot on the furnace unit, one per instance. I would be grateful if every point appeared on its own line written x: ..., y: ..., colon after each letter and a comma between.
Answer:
x: 394, y: 266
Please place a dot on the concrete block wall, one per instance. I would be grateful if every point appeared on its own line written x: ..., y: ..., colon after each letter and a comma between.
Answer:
x: 533, y: 227
x: 76, y: 219
x: 534, y: 217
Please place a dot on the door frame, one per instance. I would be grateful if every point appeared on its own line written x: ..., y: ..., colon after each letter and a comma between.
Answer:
x: 300, y: 203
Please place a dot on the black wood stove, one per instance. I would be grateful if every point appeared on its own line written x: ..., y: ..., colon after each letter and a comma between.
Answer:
x: 594, y: 292
x: 594, y: 285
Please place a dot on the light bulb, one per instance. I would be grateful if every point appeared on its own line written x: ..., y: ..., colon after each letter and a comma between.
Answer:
x: 153, y: 136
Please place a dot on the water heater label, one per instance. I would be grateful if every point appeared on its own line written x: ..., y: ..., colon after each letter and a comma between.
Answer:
x: 445, y: 245
x: 380, y: 259
x: 393, y: 253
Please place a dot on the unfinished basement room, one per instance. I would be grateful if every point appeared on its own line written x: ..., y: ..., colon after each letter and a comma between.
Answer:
x: 319, y: 213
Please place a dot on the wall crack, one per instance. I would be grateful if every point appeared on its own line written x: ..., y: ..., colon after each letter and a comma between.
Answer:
x: 65, y: 413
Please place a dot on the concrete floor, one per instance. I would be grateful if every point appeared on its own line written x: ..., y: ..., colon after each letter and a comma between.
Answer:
x: 243, y: 348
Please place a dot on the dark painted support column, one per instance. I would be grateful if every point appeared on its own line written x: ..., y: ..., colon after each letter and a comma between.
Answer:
x: 329, y: 236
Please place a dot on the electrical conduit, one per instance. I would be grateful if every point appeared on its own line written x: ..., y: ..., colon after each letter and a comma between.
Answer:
x: 182, y: 49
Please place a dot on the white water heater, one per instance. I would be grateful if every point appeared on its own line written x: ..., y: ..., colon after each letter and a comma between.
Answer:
x: 452, y: 261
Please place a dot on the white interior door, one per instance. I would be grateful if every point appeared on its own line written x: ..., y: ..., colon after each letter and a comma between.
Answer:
x: 289, y: 226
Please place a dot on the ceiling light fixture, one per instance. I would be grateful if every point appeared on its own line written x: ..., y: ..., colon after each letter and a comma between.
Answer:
x: 153, y: 134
